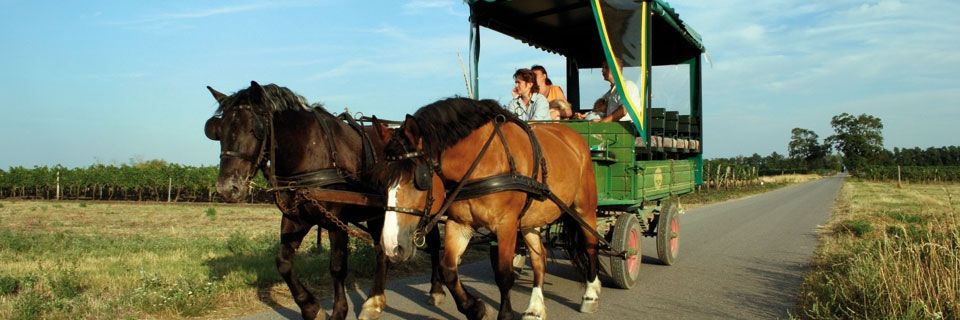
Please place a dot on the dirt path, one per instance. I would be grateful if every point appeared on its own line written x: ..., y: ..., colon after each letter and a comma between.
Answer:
x: 741, y: 259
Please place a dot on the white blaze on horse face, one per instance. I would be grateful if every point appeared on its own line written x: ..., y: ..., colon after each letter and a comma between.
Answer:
x: 391, y: 226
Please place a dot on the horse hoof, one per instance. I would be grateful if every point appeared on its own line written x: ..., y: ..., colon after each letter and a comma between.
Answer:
x: 436, y: 299
x: 313, y: 312
x: 489, y: 313
x: 370, y: 313
x: 589, y: 306
x: 532, y: 316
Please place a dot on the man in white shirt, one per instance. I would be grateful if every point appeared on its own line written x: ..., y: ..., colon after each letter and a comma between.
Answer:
x: 615, y: 107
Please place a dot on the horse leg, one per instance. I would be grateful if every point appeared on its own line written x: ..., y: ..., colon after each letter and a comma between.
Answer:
x: 338, y: 271
x: 538, y: 261
x: 291, y: 235
x: 591, y: 297
x: 455, y: 243
x: 503, y: 270
x: 376, y: 300
x: 436, y: 276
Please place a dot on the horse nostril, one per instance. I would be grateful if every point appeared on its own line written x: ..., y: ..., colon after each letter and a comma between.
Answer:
x: 398, y: 251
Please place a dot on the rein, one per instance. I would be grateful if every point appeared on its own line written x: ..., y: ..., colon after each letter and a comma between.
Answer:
x: 466, y: 189
x: 477, y: 188
x: 300, y: 183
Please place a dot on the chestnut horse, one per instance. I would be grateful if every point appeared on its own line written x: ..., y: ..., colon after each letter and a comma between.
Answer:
x: 301, y: 149
x: 481, y: 167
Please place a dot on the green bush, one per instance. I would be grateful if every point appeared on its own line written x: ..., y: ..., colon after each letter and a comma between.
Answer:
x: 906, y: 217
x: 856, y: 227
x: 9, y: 285
x: 29, y: 305
x: 239, y: 244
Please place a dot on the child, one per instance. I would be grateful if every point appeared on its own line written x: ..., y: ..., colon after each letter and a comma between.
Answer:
x: 599, y: 109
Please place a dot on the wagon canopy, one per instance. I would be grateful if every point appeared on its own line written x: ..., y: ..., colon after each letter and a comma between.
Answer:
x: 639, y: 33
x: 570, y: 28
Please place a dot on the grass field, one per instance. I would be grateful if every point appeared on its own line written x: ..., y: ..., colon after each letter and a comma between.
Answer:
x: 107, y: 260
x: 888, y: 253
x: 110, y: 260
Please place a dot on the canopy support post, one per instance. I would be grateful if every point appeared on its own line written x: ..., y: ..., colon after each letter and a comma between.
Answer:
x: 573, y: 83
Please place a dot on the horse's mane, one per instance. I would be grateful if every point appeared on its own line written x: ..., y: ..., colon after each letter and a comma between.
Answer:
x: 277, y: 99
x: 445, y: 122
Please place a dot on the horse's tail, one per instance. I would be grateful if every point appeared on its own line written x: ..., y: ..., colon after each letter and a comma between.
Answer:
x: 575, y: 245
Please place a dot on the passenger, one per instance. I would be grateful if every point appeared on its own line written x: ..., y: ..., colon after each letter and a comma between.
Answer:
x: 554, y: 111
x: 615, y: 108
x: 547, y: 89
x: 599, y: 110
x: 563, y: 109
x: 527, y: 103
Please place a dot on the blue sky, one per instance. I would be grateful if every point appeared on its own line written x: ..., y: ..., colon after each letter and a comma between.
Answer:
x: 109, y: 81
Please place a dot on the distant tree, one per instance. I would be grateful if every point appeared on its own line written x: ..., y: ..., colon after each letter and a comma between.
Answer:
x: 858, y: 138
x: 806, y: 150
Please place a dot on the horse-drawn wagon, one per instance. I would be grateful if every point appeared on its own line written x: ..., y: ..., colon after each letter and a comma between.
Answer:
x: 640, y: 165
x: 612, y: 182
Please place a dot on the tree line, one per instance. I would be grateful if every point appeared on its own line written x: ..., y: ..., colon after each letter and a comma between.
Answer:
x: 856, y: 146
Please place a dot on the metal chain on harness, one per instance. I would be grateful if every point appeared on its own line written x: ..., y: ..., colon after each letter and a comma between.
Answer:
x: 339, y: 223
x: 298, y: 196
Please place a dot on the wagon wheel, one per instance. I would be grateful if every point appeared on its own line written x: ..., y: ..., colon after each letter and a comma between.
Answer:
x: 668, y: 234
x: 626, y: 237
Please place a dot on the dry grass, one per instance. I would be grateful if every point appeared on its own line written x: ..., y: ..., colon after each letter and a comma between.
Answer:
x: 888, y: 253
x: 709, y: 196
x: 135, y: 260
x: 790, y: 178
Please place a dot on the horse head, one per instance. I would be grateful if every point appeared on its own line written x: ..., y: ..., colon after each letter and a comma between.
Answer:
x: 414, y: 189
x: 240, y: 125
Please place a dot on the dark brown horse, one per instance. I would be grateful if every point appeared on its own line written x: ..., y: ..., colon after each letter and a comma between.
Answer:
x: 304, y: 151
x: 480, y: 166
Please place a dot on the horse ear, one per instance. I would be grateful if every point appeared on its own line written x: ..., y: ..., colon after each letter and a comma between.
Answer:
x: 382, y: 129
x: 217, y: 95
x: 412, y: 131
x: 257, y: 90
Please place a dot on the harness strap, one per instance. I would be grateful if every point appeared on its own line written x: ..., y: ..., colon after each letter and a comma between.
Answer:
x: 573, y: 214
x: 506, y: 182
x: 273, y: 152
x: 325, y: 127
x: 506, y: 149
x: 369, y: 156
x: 452, y: 196
x: 314, y: 179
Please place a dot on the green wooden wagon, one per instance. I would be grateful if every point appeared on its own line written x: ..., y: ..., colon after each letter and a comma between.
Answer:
x: 642, y: 165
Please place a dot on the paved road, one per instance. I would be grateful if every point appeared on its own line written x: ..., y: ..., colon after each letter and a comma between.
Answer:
x: 742, y: 259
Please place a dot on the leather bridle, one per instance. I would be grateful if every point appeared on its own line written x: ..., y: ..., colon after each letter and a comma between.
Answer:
x: 256, y: 160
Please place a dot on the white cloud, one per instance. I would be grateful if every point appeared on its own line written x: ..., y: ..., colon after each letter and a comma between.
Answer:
x: 428, y: 6
x: 206, y: 12
x: 752, y: 32
x: 796, y: 64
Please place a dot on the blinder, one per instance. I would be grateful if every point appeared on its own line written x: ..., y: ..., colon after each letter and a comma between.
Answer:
x: 422, y: 177
x: 212, y: 128
x: 259, y: 131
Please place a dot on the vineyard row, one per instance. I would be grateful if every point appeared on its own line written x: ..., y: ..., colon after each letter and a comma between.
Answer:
x: 153, y: 182
x: 913, y: 174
